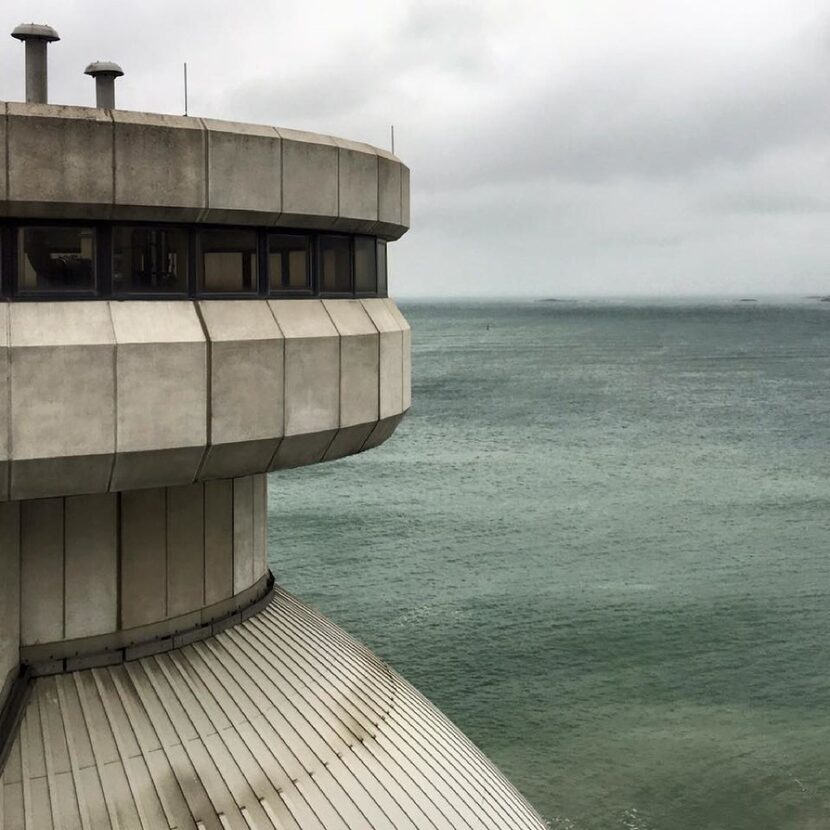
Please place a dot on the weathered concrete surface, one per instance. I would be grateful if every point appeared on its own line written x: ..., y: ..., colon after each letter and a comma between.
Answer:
x: 62, y: 398
x: 309, y: 178
x: 107, y: 396
x: 358, y: 182
x: 5, y: 413
x: 91, y: 565
x: 59, y: 160
x: 41, y: 571
x: 106, y: 164
x: 391, y: 356
x: 161, y: 369
x: 244, y: 172
x: 243, y: 533
x: 160, y: 164
x: 246, y: 388
x: 9, y: 594
x: 359, y: 361
x: 218, y: 540
x: 185, y: 549
x: 312, y: 366
x: 4, y: 178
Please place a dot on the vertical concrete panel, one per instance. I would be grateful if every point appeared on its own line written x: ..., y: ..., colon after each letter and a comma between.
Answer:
x: 246, y: 392
x: 5, y: 401
x: 309, y: 178
x: 4, y: 182
x: 260, y: 486
x: 243, y: 533
x: 358, y: 181
x: 91, y: 565
x: 359, y: 361
x: 62, y: 398
x: 218, y: 540
x: 407, y: 352
x: 391, y: 357
x: 185, y: 549
x: 405, y: 209
x: 160, y: 165
x: 41, y: 571
x: 389, y: 190
x: 59, y: 155
x: 312, y: 366
x: 9, y: 591
x: 244, y: 172
x: 143, y: 557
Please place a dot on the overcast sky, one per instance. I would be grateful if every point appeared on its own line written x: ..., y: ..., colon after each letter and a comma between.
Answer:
x: 569, y: 147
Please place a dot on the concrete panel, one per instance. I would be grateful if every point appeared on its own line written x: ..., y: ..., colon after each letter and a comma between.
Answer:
x: 407, y: 352
x: 389, y: 190
x: 309, y: 179
x: 62, y: 397
x: 136, y: 470
x: 391, y: 357
x: 41, y: 571
x: 91, y: 551
x: 349, y: 441
x: 4, y: 179
x: 358, y: 181
x: 143, y: 557
x: 382, y: 431
x: 312, y: 366
x: 59, y: 156
x: 161, y: 365
x: 5, y: 402
x: 244, y: 172
x: 260, y: 487
x: 247, y: 377
x: 406, y: 217
x: 218, y: 540
x: 243, y: 533
x: 185, y: 549
x: 359, y: 361
x: 9, y: 592
x: 160, y: 164
x: 238, y: 459
x: 300, y: 450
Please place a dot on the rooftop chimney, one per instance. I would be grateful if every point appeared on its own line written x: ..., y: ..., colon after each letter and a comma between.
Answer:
x: 36, y: 37
x: 105, y: 74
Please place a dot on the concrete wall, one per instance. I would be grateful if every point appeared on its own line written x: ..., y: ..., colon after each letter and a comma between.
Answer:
x: 93, y: 565
x: 100, y: 397
x: 78, y: 162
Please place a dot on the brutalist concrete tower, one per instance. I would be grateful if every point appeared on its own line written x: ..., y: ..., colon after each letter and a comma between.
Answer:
x: 188, y: 306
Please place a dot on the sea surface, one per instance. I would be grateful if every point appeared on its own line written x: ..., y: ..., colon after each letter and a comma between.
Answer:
x: 600, y: 542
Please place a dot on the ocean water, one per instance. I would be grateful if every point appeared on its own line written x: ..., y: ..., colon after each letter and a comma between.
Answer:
x: 600, y: 542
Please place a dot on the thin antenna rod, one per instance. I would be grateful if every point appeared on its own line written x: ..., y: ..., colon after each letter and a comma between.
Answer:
x: 185, y: 87
x: 393, y: 139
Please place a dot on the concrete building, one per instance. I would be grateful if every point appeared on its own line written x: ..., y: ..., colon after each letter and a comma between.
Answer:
x: 188, y: 306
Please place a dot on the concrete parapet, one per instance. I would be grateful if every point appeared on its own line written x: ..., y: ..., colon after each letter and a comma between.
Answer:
x: 89, y: 163
x: 99, y: 396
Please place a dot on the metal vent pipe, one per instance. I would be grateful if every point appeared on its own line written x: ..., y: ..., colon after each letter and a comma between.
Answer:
x: 105, y: 73
x: 36, y: 37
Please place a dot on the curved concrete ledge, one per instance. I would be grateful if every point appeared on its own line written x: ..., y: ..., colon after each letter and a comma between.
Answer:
x: 107, y: 396
x: 81, y: 163
x: 282, y: 722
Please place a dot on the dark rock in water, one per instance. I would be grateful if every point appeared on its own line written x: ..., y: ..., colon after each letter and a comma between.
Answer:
x: 747, y: 300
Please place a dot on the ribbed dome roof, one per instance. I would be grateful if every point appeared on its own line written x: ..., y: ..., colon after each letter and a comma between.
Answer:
x: 282, y: 721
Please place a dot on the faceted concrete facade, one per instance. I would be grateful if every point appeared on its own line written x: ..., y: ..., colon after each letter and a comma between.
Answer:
x: 113, y: 396
x: 79, y: 162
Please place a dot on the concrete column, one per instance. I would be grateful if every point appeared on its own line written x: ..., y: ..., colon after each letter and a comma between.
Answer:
x: 9, y: 594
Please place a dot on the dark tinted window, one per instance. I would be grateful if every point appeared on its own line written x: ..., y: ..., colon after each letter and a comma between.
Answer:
x: 149, y: 259
x: 365, y: 265
x: 382, y: 273
x: 56, y: 259
x: 335, y: 264
x: 228, y: 261
x: 288, y: 262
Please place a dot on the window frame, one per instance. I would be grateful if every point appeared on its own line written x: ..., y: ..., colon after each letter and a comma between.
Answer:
x: 281, y: 292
